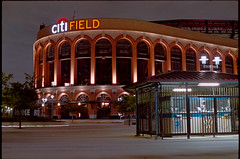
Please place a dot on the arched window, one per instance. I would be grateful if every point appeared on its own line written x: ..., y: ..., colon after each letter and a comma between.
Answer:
x: 142, y: 60
x: 103, y: 52
x: 50, y: 53
x: 190, y: 60
x: 64, y: 99
x: 64, y: 54
x: 124, y: 55
x: 41, y: 57
x: 229, y: 64
x: 202, y: 67
x: 39, y: 83
x: 219, y: 67
x: 50, y: 60
x: 124, y: 48
x: 65, y: 50
x: 142, y: 50
x: 160, y: 57
x: 83, y: 99
x: 103, y: 47
x: 83, y: 55
x: 176, y: 58
x: 83, y: 49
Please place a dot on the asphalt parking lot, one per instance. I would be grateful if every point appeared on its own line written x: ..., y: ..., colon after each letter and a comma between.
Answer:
x: 93, y: 139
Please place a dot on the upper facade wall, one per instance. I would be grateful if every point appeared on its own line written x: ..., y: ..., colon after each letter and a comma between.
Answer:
x: 162, y: 31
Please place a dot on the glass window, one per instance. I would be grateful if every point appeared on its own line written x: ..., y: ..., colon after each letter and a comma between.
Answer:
x: 65, y: 50
x: 83, y: 71
x: 190, y: 60
x: 160, y: 53
x: 103, y: 47
x: 229, y: 64
x: 50, y: 53
x: 142, y: 50
x: 124, y: 48
x: 65, y: 72
x: 83, y: 49
x: 219, y: 67
x: 176, y: 58
x: 204, y: 53
x: 103, y: 71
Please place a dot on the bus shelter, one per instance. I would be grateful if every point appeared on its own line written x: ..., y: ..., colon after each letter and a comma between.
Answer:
x: 187, y: 103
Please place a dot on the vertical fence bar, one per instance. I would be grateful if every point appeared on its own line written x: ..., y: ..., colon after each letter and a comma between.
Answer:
x: 188, y: 113
x: 156, y: 109
x: 137, y: 112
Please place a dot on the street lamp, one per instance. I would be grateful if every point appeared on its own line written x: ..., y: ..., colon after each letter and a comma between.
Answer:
x: 204, y: 60
x: 52, y: 96
x: 43, y: 104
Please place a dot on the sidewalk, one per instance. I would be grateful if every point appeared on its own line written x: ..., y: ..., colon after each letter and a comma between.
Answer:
x: 110, y: 139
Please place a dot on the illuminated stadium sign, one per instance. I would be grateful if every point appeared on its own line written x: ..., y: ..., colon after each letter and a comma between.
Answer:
x: 64, y: 25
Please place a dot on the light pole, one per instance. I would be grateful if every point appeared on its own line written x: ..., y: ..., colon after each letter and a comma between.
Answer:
x: 44, y: 101
x: 52, y: 96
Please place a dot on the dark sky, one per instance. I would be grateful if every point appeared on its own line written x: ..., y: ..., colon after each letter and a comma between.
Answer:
x: 21, y: 21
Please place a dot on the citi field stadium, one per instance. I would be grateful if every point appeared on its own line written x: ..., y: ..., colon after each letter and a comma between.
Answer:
x: 88, y: 61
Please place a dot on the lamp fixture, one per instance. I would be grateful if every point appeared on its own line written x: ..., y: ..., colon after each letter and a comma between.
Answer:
x: 208, y: 84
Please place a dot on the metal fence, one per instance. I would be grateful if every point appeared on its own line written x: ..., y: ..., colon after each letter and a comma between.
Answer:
x: 168, y: 109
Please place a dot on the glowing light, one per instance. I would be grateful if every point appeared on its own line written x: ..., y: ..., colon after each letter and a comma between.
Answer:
x: 66, y: 84
x: 181, y: 90
x: 217, y: 60
x: 79, y: 103
x: 42, y: 105
x: 208, y: 84
x: 59, y: 104
x: 203, y: 59
x: 102, y: 103
x: 52, y: 96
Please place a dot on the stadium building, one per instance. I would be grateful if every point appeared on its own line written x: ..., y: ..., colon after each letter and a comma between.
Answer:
x: 88, y: 61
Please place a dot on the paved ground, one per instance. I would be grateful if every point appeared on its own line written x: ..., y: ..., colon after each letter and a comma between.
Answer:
x: 108, y: 139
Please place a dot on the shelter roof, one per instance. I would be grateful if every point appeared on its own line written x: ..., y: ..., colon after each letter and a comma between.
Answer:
x: 189, y: 76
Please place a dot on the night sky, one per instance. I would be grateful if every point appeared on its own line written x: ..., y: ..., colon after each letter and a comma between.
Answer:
x: 21, y: 21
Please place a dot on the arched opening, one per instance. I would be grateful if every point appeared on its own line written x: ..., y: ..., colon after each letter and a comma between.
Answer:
x: 219, y: 66
x: 142, y: 60
x: 64, y: 56
x: 39, y: 80
x: 103, y: 106
x: 229, y: 64
x: 124, y: 55
x: 160, y: 57
x: 82, y: 104
x: 64, y: 100
x: 50, y: 64
x: 202, y: 67
x: 83, y: 56
x: 176, y: 58
x: 103, y: 54
x: 190, y: 60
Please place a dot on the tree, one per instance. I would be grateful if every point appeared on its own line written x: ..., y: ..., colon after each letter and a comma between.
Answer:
x: 71, y: 108
x: 127, y: 105
x: 19, y: 96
